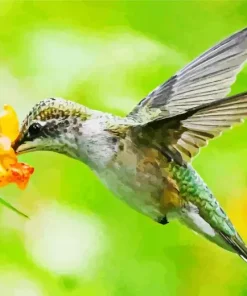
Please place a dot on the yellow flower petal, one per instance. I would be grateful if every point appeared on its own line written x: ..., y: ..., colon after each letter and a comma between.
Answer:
x: 9, y: 124
x: 5, y: 144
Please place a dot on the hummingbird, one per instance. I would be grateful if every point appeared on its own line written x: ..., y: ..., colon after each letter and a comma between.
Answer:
x: 145, y: 157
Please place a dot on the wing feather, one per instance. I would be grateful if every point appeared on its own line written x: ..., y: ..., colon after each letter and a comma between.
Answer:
x: 207, y: 79
x: 187, y: 133
x: 213, y: 120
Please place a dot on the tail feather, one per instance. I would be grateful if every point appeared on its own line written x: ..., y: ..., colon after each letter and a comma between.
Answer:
x: 237, y: 244
x: 233, y: 243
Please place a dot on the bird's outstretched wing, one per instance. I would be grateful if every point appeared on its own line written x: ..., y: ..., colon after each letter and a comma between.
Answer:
x: 207, y: 79
x: 181, y: 136
x: 181, y: 115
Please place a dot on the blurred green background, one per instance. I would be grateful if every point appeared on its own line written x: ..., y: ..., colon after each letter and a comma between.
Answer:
x: 81, y: 240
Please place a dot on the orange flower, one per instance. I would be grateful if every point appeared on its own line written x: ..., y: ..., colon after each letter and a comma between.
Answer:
x: 11, y: 171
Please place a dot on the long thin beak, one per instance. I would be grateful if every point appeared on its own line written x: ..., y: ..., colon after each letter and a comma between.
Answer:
x: 24, y: 148
x: 21, y: 147
x: 15, y: 145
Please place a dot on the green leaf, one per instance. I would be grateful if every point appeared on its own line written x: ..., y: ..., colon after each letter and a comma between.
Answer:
x: 8, y: 205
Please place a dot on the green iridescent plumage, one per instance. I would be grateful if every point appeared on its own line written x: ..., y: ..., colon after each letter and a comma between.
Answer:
x: 193, y: 189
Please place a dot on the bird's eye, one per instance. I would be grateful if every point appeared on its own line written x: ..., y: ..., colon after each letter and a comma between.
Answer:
x: 34, y: 129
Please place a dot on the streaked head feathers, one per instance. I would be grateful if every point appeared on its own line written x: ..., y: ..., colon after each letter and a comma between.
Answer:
x: 49, y: 121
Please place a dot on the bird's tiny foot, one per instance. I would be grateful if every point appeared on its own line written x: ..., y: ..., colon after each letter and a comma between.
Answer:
x: 163, y: 221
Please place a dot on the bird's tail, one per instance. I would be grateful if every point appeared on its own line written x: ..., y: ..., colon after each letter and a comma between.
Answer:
x: 237, y: 245
x: 233, y: 243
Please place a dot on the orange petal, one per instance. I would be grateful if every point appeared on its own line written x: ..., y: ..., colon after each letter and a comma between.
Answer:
x: 20, y: 174
x: 4, y: 181
x: 7, y: 160
x: 7, y: 154
x: 4, y: 176
x: 9, y: 125
x: 2, y: 171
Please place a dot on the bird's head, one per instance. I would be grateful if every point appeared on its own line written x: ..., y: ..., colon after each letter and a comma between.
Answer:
x: 52, y: 125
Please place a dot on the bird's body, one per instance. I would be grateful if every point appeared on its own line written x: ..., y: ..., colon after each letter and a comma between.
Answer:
x: 145, y: 158
x: 147, y: 181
